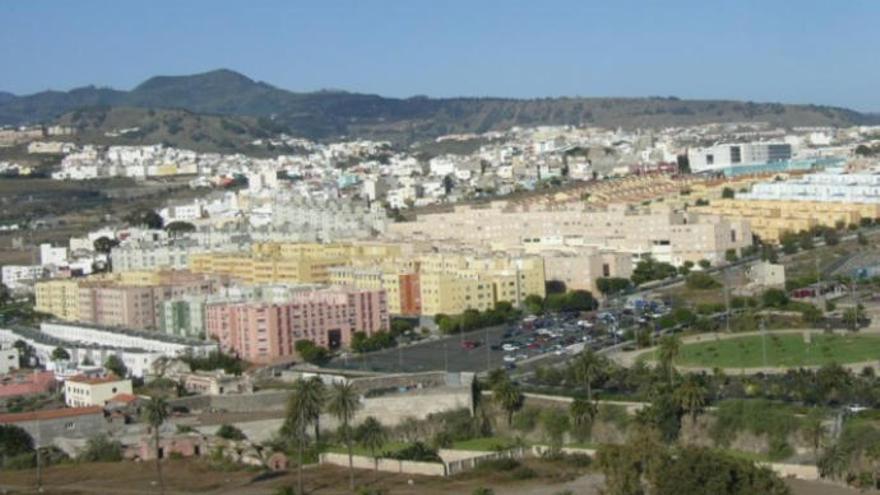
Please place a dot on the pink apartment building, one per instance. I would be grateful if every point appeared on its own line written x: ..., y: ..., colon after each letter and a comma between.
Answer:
x: 266, y: 330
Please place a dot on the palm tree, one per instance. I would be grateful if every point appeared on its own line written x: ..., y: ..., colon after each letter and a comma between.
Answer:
x: 691, y: 397
x: 509, y: 397
x: 872, y: 453
x: 834, y: 462
x: 343, y: 402
x: 302, y: 409
x: 320, y: 392
x: 372, y: 436
x: 586, y: 368
x: 814, y: 432
x: 670, y: 346
x: 156, y: 412
x: 582, y: 411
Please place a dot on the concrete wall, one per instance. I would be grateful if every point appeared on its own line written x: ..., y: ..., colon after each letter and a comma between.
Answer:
x: 386, y: 465
x: 85, y: 426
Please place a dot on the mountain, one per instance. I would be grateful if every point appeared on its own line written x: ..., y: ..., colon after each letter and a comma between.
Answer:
x: 332, y: 114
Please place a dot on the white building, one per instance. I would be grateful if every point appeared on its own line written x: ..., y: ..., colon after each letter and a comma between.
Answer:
x: 722, y: 156
x: 8, y: 358
x: 833, y: 185
x: 50, y: 255
x: 127, y: 339
x: 18, y: 277
x: 81, y: 391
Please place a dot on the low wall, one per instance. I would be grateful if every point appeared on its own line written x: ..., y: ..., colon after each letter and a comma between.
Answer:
x: 385, y: 465
x: 270, y: 400
x: 800, y: 471
x: 468, y: 463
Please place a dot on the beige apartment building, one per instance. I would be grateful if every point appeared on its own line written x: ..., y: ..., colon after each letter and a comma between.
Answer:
x: 660, y: 231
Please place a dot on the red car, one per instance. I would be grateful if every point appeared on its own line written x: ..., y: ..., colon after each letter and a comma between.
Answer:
x: 470, y: 344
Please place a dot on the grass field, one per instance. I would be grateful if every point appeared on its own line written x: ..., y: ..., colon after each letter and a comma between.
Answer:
x: 789, y: 350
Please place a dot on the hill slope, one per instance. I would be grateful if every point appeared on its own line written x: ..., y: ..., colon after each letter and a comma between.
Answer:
x: 331, y: 114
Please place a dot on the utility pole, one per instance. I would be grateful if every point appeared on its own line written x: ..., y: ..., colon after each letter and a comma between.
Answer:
x: 764, y: 339
x: 39, y: 457
x: 724, y: 274
x: 445, y: 357
x: 488, y: 352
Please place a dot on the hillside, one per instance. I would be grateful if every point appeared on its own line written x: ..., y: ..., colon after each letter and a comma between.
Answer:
x: 333, y: 114
x: 180, y: 128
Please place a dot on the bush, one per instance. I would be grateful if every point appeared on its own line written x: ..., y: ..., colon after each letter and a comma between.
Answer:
x: 701, y: 281
x: 20, y: 461
x: 499, y: 465
x: 230, y: 432
x: 482, y: 491
x: 523, y: 473
x: 416, y: 451
x: 527, y: 419
x: 101, y: 449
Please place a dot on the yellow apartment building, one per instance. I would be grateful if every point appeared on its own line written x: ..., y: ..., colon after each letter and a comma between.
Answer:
x: 770, y: 219
x: 58, y: 297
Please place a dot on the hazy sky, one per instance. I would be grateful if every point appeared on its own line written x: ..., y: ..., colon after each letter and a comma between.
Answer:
x: 805, y: 51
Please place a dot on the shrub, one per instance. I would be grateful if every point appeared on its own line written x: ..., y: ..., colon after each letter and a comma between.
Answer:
x: 527, y: 419
x: 500, y: 465
x: 20, y: 461
x: 230, y: 432
x: 416, y: 451
x: 101, y: 449
x: 483, y: 491
x: 523, y: 473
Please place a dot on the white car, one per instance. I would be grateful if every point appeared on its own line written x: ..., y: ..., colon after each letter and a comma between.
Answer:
x: 509, y: 359
x: 509, y: 347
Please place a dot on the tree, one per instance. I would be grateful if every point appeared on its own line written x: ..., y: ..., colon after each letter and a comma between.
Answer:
x: 343, y: 402
x: 60, y: 354
x: 831, y: 237
x: 730, y: 256
x: 834, y: 462
x: 14, y: 441
x: 587, y: 368
x: 728, y: 193
x: 156, y: 411
x: 372, y: 436
x: 852, y: 317
x: 582, y: 412
x: 862, y: 240
x: 145, y: 218
x: 26, y: 353
x: 104, y: 244
x: 115, y: 365
x: 556, y: 424
x: 774, y: 298
x: 705, y: 264
x: 691, y: 397
x: 303, y: 407
x: 622, y: 469
x: 230, y: 432
x: 702, y: 471
x: 178, y: 227
x: 814, y: 432
x: 670, y: 346
x: 101, y: 448
x: 701, y: 281
x: 509, y: 397
x: 310, y: 352
x: 533, y: 303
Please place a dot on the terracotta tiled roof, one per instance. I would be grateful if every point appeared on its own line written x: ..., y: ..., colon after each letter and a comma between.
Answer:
x: 123, y: 398
x: 51, y: 414
x: 94, y: 381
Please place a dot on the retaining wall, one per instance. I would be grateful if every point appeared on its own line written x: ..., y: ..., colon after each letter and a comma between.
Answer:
x: 385, y: 465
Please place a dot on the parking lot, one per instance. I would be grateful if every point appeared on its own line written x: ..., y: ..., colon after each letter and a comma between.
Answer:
x: 515, y: 346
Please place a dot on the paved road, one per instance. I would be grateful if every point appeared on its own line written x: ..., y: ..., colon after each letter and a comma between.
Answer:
x: 441, y: 354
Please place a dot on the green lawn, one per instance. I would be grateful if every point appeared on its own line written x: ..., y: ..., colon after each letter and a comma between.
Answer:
x: 787, y: 350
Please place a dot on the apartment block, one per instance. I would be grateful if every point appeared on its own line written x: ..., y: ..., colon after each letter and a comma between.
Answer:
x: 59, y: 298
x: 128, y: 299
x: 401, y: 284
x: 266, y: 329
x: 658, y: 230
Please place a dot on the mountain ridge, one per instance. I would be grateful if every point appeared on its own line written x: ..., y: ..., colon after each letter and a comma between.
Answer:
x: 332, y: 114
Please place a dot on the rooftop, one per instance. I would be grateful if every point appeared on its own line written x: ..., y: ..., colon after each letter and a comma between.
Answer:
x: 90, y: 380
x: 51, y: 414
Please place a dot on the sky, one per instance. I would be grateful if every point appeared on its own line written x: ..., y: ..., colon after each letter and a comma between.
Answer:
x: 806, y: 51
